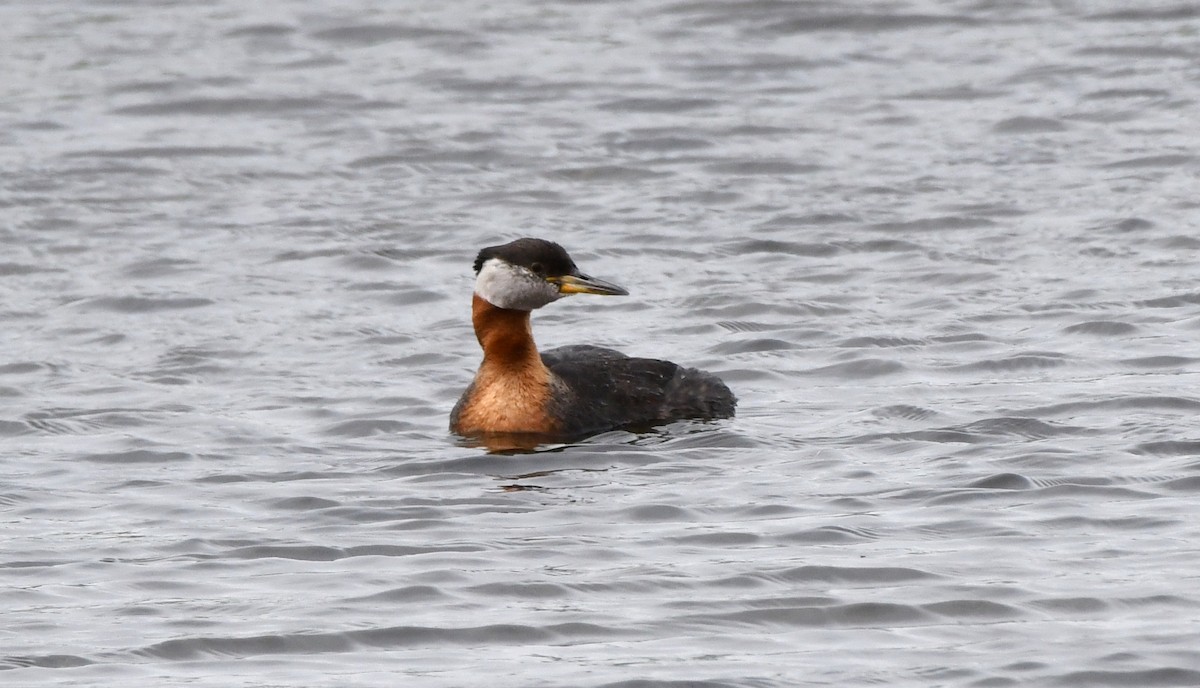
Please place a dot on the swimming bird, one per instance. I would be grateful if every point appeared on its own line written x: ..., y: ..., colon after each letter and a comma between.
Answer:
x: 572, y: 391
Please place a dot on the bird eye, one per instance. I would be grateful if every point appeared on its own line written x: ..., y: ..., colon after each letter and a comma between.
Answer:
x: 538, y: 269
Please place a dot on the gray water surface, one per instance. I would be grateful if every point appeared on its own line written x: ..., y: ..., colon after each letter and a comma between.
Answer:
x: 944, y: 252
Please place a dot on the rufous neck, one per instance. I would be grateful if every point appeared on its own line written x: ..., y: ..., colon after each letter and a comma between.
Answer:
x: 505, y: 334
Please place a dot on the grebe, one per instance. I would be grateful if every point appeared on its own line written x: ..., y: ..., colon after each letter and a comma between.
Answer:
x: 572, y: 391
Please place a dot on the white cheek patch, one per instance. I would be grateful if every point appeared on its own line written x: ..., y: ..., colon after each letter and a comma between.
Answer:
x: 507, y: 286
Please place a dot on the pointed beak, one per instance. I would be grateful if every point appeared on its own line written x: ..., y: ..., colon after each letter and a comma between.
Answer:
x: 582, y: 284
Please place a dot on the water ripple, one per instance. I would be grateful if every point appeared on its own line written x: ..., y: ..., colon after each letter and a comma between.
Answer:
x: 952, y: 286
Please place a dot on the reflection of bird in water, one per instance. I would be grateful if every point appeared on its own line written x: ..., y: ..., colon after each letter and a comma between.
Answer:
x: 571, y: 391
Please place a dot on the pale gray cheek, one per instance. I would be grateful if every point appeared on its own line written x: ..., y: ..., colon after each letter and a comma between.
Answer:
x: 551, y: 293
x: 508, y: 287
x: 517, y: 292
x: 533, y: 295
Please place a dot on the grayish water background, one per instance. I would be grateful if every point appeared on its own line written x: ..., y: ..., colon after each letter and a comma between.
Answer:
x: 945, y: 252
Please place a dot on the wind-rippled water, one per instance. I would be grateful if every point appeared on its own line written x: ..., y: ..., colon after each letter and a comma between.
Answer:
x: 944, y: 252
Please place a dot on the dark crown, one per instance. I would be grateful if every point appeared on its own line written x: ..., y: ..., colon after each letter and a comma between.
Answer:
x: 542, y: 257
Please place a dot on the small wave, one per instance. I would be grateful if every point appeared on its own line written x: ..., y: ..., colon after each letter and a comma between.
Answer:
x: 367, y: 427
x: 762, y: 167
x: 261, y: 31
x: 194, y: 361
x: 857, y: 370
x: 379, y: 160
x: 141, y: 304
x: 973, y: 609
x: 879, y: 246
x: 605, y: 173
x: 852, y: 615
x: 1144, y: 51
x: 184, y: 649
x: 294, y: 254
x: 1169, y: 448
x: 1131, y: 224
x: 746, y: 346
x: 688, y: 683
x: 703, y: 197
x: 935, y: 224
x: 12, y: 428
x: 961, y: 92
x: 655, y: 513
x: 368, y: 261
x: 942, y: 436
x: 951, y: 279
x: 68, y: 421
x: 304, y: 503
x: 1127, y: 93
x: 1127, y: 523
x: 374, y: 34
x: 662, y: 144
x: 865, y: 575
x: 980, y: 431
x: 1190, y: 485
x: 1003, y: 481
x: 775, y: 247
x: 1029, y: 125
x: 748, y: 326
x: 1179, y: 243
x: 408, y: 593
x: 1176, y: 301
x: 139, y: 456
x: 867, y: 22
x: 881, y: 341
x: 964, y: 337
x: 830, y: 535
x: 1170, y: 160
x: 1159, y: 361
x: 43, y: 661
x: 323, y: 553
x: 158, y: 267
x: 1030, y: 428
x: 1101, y: 328
x: 15, y: 269
x: 904, y: 411
x: 788, y: 221
x: 531, y: 591
x: 1144, y: 678
x: 1167, y: 12
x: 1072, y: 605
x: 1012, y: 364
x: 1141, y: 403
x: 1096, y: 491
x: 226, y: 107
x: 718, y: 539
x: 664, y: 105
x: 11, y: 499
x: 168, y: 152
